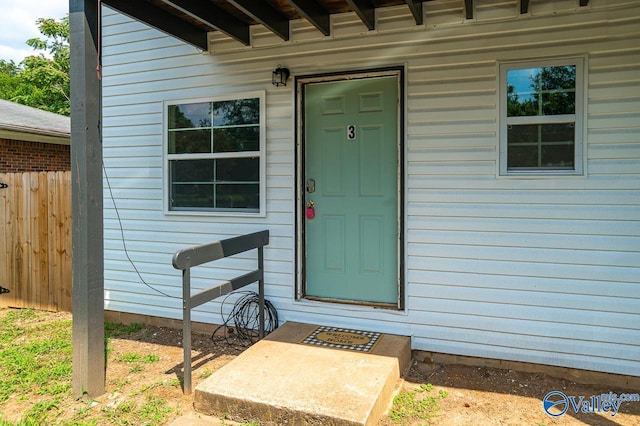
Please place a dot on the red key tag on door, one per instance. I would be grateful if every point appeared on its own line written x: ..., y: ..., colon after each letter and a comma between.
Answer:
x: 311, y: 213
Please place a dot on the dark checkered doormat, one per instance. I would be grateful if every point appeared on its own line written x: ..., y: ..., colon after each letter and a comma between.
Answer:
x: 342, y: 338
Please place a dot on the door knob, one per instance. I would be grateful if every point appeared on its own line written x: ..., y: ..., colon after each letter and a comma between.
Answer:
x: 311, y: 186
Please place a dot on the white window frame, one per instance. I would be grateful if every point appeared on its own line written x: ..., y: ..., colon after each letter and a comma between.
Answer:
x: 261, y: 154
x: 577, y: 118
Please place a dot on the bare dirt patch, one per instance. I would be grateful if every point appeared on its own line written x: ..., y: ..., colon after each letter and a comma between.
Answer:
x: 146, y: 365
x: 492, y: 396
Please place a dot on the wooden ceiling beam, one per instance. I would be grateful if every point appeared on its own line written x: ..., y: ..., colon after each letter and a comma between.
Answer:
x: 365, y: 11
x: 215, y: 17
x: 162, y: 21
x: 468, y: 9
x: 314, y: 13
x: 415, y: 6
x: 266, y: 15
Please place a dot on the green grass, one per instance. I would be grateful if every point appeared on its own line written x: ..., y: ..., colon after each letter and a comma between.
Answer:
x: 41, y: 362
x: 112, y: 330
x: 416, y: 405
x: 137, y: 360
x: 206, y: 372
x: 36, y: 372
x: 154, y: 410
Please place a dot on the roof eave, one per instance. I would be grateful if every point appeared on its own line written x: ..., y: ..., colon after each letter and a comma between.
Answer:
x: 33, y: 135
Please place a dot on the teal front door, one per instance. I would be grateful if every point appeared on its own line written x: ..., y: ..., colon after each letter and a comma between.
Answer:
x: 351, y: 174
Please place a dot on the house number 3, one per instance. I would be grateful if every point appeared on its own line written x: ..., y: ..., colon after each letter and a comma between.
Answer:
x: 351, y: 132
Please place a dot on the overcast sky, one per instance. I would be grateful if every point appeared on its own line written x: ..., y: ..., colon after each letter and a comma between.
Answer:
x: 18, y: 24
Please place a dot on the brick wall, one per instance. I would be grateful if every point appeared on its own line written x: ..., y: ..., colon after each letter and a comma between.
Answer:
x: 21, y: 156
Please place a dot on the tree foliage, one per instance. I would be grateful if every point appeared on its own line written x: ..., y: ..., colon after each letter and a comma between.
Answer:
x: 41, y: 80
x: 552, y: 92
x: 8, y: 79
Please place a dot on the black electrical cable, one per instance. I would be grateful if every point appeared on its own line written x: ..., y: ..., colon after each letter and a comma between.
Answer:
x: 242, y: 325
x: 124, y: 242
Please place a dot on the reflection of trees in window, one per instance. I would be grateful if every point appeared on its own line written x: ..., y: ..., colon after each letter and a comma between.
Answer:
x: 190, y: 116
x: 240, y: 111
x: 180, y: 121
x: 227, y: 126
x: 177, y: 119
x: 552, y: 92
x: 236, y: 125
x: 540, y: 127
x: 225, y: 135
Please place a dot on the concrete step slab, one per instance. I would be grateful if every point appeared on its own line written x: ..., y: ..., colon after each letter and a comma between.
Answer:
x: 280, y: 381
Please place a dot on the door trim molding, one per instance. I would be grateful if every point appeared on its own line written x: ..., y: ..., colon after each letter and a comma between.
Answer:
x: 300, y: 82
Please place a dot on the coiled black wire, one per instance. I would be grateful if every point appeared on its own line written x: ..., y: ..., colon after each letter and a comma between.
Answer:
x: 242, y: 325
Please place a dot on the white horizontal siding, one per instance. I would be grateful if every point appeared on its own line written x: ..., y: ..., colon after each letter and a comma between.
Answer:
x: 540, y: 270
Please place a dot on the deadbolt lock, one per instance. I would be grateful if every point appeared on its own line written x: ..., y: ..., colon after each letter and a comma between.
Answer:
x: 311, y: 186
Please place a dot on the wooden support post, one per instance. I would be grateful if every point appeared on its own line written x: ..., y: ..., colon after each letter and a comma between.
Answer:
x: 86, y: 169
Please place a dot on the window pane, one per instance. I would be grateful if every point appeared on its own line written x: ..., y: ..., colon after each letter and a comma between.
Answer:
x: 238, y: 196
x: 541, y: 91
x: 236, y: 139
x: 557, y: 103
x: 561, y: 132
x: 211, y: 129
x: 215, y: 184
x: 520, y: 93
x: 191, y: 183
x: 192, y: 195
x: 558, y: 156
x: 519, y: 134
x: 193, y: 171
x: 559, y: 147
x: 240, y: 111
x: 545, y: 146
x: 523, y: 157
x: 238, y: 170
x: 189, y: 141
x: 190, y: 115
x: 562, y: 78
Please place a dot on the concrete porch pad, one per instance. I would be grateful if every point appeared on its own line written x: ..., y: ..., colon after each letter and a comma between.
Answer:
x: 279, y: 381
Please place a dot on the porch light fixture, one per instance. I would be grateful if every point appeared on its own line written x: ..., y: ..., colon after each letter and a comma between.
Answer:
x: 279, y: 76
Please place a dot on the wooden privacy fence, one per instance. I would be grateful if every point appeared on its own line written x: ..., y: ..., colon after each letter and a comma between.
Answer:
x: 35, y: 240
